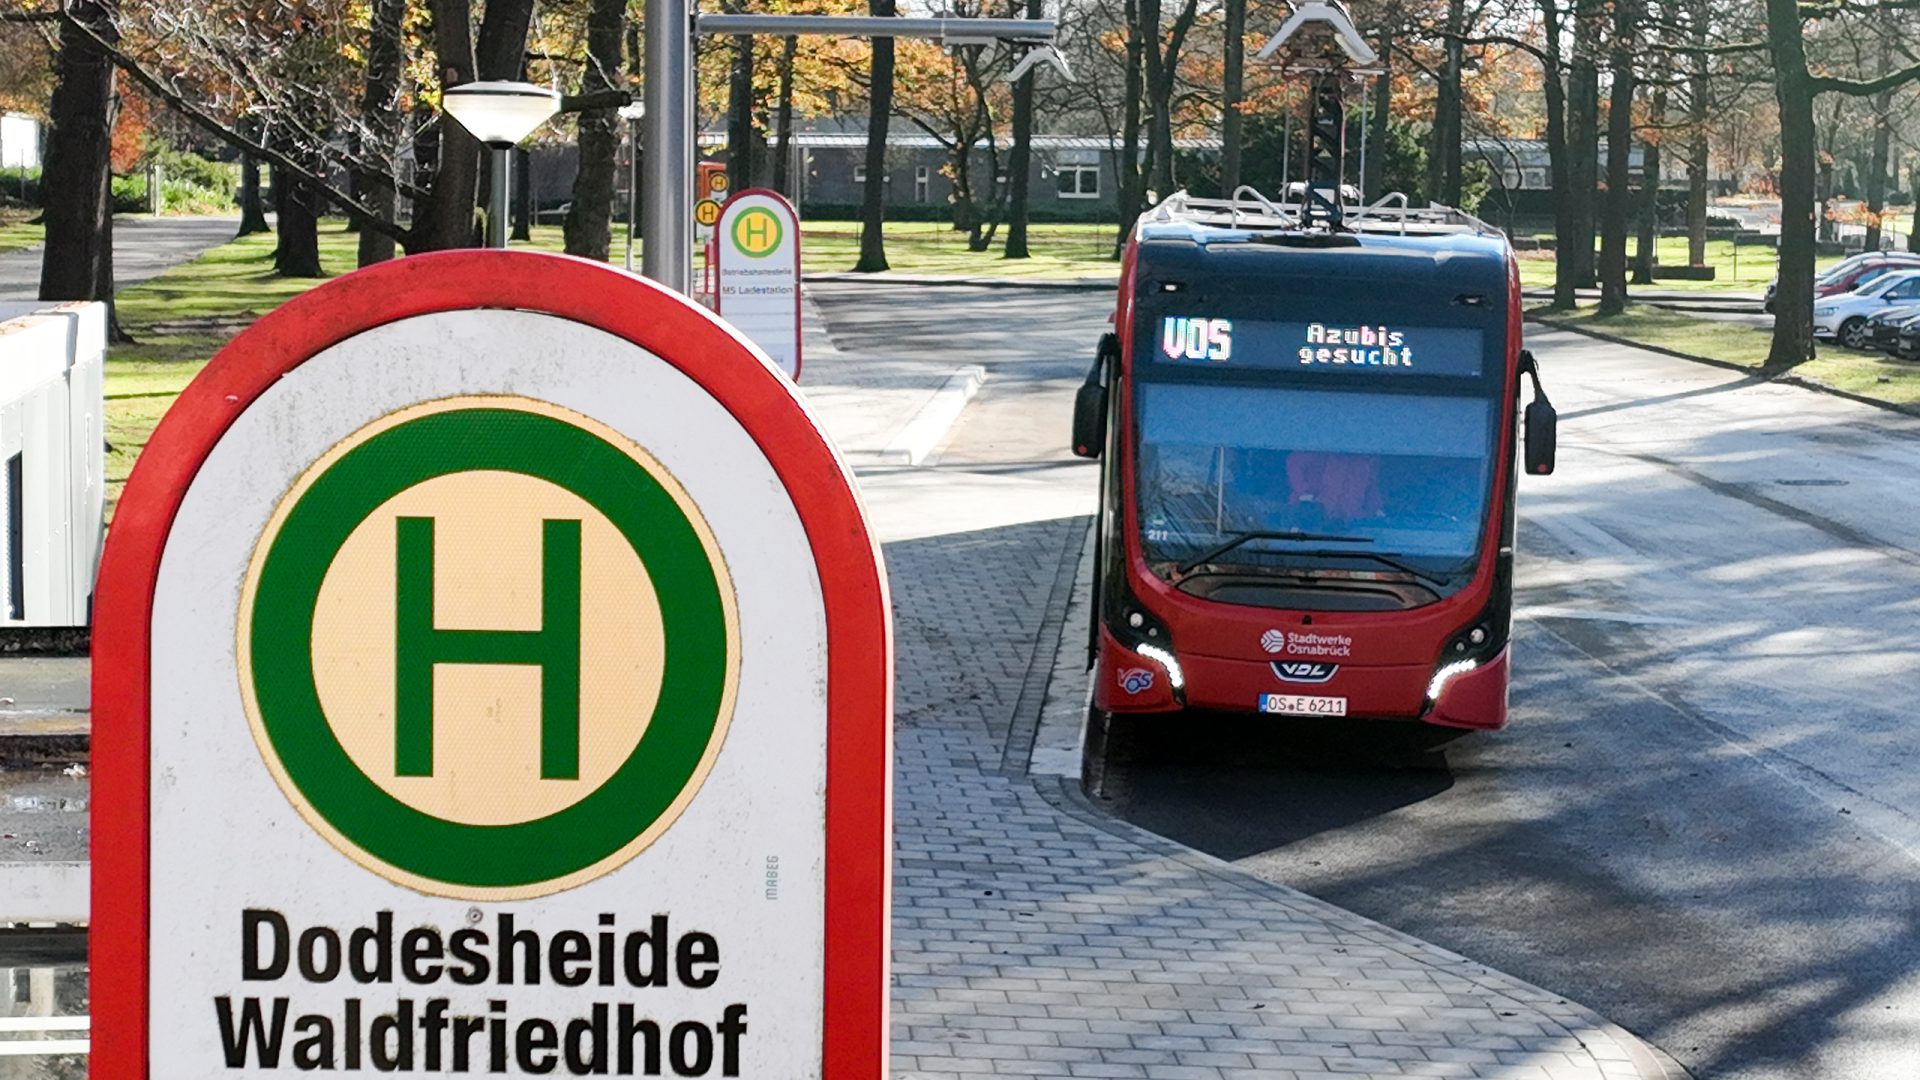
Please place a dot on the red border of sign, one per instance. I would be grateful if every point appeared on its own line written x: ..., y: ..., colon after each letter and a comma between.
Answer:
x: 719, y: 257
x: 859, y: 657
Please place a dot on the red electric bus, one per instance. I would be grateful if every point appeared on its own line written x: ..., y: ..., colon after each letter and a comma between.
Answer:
x: 1308, y: 442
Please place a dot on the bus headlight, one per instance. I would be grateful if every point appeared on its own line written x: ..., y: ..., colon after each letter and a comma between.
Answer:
x: 1176, y: 678
x: 1445, y: 675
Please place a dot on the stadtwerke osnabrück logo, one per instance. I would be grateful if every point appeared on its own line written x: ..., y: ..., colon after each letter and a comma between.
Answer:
x: 488, y: 647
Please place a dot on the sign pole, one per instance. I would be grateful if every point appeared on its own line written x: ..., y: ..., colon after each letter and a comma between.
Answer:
x: 667, y: 256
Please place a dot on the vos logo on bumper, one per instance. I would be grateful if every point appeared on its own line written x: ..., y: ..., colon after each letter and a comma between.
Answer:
x: 1303, y: 671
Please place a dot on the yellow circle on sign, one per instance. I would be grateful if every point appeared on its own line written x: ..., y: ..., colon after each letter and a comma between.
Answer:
x: 756, y: 232
x: 717, y: 182
x: 706, y: 211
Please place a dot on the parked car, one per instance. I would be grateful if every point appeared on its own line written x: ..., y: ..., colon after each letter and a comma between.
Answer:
x: 1852, y: 272
x: 1844, y: 317
x: 1883, y: 327
x: 1907, y: 347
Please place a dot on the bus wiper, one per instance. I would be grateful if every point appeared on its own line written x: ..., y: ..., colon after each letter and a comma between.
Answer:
x: 1249, y: 537
x: 1438, y: 581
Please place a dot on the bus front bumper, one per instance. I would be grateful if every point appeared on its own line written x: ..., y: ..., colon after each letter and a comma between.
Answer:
x: 1474, y: 698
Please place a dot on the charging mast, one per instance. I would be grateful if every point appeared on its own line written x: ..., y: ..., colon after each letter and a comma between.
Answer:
x: 1320, y: 41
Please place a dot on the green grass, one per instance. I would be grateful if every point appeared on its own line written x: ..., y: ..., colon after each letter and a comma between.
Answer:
x: 1872, y: 374
x: 926, y: 247
x: 15, y: 233
x: 181, y: 318
x: 1745, y: 269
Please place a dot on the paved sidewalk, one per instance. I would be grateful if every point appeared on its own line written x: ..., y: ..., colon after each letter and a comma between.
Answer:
x: 1034, y: 936
x: 143, y: 248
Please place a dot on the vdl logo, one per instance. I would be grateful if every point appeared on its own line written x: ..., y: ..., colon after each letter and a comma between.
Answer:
x: 757, y: 232
x: 488, y: 648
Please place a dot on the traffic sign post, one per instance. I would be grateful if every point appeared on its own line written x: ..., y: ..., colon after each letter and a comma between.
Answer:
x: 492, y: 673
x: 757, y: 280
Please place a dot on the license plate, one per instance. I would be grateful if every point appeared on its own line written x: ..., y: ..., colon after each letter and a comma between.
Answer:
x: 1303, y: 705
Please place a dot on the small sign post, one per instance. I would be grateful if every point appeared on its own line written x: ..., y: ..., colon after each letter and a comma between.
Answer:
x: 492, y: 675
x: 757, y: 285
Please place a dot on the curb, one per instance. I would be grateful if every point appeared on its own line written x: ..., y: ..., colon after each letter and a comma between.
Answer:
x: 46, y: 640
x: 42, y: 738
x: 1788, y: 379
x: 56, y: 892
x: 1064, y: 793
x: 958, y: 281
x: 920, y: 435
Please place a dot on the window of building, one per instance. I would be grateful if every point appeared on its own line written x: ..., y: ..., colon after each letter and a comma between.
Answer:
x: 1079, y: 181
x: 922, y: 180
x: 859, y: 174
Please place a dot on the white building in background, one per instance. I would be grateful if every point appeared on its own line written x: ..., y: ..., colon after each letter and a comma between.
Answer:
x: 19, y: 141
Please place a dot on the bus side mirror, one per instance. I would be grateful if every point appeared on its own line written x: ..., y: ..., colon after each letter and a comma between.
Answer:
x: 1542, y: 423
x: 1090, y: 403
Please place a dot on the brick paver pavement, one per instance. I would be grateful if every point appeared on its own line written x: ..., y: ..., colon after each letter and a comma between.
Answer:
x: 1034, y: 936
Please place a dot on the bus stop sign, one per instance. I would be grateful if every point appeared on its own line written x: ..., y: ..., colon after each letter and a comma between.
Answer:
x: 491, y: 675
x: 757, y: 273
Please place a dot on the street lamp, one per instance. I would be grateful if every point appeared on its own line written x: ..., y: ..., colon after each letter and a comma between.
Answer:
x: 633, y: 114
x: 499, y: 114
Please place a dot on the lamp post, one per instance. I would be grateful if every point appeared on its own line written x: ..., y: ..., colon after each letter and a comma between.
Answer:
x: 633, y: 114
x: 499, y: 114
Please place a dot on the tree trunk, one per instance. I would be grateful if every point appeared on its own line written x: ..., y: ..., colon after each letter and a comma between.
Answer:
x: 501, y: 51
x: 1697, y: 162
x: 379, y: 113
x: 873, y: 199
x: 1613, y: 226
x: 1647, y: 243
x: 1382, y: 111
x: 1913, y: 229
x: 1161, y: 71
x: 445, y: 219
x: 783, y: 124
x: 253, y: 213
x: 1232, y: 93
x: 740, y: 115
x: 77, y: 177
x: 1793, y: 90
x: 1020, y: 159
x: 588, y: 230
x: 1876, y: 181
x: 1583, y: 131
x: 1553, y: 70
x: 296, y: 252
x: 1443, y: 162
x: 521, y: 191
x: 1127, y: 167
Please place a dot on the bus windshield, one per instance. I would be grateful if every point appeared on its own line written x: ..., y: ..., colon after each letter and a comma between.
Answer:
x: 1394, y: 478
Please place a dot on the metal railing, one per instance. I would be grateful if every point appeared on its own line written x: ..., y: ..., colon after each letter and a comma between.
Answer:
x: 1249, y: 209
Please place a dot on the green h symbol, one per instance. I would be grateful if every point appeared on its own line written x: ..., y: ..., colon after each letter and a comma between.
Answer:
x: 554, y: 648
x: 759, y: 231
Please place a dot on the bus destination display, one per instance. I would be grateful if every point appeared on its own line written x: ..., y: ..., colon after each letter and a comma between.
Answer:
x: 1322, y: 346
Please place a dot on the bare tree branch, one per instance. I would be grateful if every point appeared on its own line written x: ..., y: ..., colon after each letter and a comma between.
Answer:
x: 361, y: 214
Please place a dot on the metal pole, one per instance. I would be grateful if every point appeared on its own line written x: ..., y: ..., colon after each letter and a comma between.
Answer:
x: 497, y: 197
x: 948, y: 31
x: 667, y: 256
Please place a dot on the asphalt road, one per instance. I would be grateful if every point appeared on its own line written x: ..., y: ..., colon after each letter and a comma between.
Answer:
x: 143, y: 247
x: 1704, y: 820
